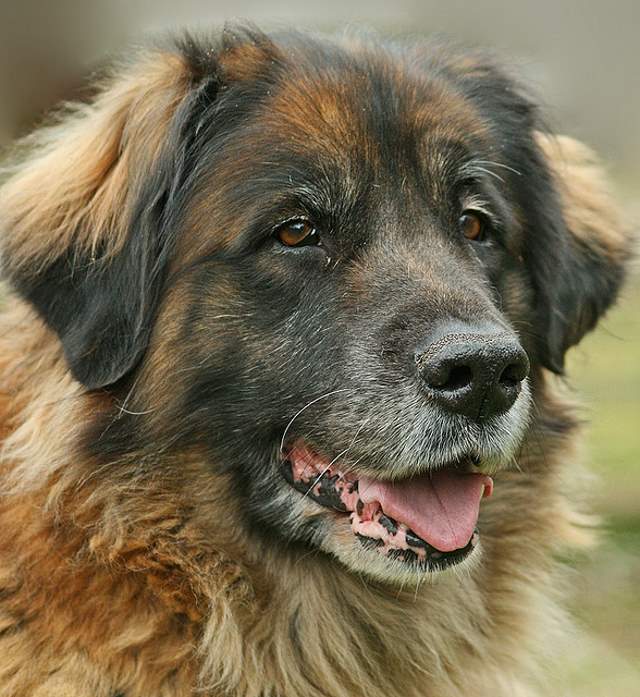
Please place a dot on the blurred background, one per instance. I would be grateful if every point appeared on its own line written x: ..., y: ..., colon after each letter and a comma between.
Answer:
x: 583, y: 58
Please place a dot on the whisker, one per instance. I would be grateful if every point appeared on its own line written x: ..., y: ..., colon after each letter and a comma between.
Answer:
x: 337, y: 457
x: 311, y: 403
x: 415, y: 594
x: 490, y: 173
x: 498, y: 164
x: 344, y: 452
x: 324, y: 471
x: 513, y: 461
x: 352, y: 466
x: 246, y: 314
x: 122, y: 410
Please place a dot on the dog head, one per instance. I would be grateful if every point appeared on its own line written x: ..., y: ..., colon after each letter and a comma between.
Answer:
x: 340, y: 267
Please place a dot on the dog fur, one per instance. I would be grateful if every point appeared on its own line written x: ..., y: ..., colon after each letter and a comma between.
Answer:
x: 130, y: 564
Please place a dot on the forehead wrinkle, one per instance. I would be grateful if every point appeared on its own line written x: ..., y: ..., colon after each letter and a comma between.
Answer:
x: 266, y: 173
x: 448, y: 127
x: 359, y: 119
x: 377, y: 112
x: 356, y: 117
x: 323, y: 120
x: 325, y: 111
x: 444, y: 163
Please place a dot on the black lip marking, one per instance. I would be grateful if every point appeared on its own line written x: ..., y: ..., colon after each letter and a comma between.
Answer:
x: 323, y: 490
x: 328, y: 495
x: 443, y: 560
x: 389, y: 524
x: 404, y: 555
x: 287, y: 472
x: 414, y: 540
x: 435, y: 561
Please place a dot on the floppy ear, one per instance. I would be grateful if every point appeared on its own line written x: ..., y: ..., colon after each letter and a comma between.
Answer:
x: 88, y: 215
x: 575, y: 244
x: 580, y: 266
x: 75, y: 241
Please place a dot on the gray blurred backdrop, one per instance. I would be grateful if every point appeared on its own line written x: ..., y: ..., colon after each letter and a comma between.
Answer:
x: 583, y: 58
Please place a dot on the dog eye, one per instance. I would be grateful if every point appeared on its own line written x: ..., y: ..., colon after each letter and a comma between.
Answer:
x: 298, y: 233
x: 472, y: 225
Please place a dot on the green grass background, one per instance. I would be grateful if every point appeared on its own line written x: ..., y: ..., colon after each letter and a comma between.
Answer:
x: 603, y: 659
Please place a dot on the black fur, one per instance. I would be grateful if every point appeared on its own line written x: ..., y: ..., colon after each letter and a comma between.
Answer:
x: 347, y: 317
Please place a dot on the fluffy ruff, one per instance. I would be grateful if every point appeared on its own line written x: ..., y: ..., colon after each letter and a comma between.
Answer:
x: 115, y: 582
x: 149, y: 363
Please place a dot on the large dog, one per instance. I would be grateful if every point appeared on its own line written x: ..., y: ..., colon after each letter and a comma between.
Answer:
x: 277, y: 410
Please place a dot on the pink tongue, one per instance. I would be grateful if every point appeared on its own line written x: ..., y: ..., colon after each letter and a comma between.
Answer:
x: 442, y: 508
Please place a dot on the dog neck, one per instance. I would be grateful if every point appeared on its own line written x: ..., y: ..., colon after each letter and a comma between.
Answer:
x: 134, y: 570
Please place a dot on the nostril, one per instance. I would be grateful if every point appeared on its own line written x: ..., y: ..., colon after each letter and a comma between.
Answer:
x: 460, y: 376
x: 510, y: 376
x: 514, y: 373
x: 478, y: 375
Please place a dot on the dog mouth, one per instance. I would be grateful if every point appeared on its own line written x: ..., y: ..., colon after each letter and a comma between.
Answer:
x: 428, y: 521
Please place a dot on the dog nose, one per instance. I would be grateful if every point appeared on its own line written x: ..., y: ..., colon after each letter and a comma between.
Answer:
x: 478, y: 374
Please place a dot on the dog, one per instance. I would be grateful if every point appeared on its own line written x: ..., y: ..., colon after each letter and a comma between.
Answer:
x: 279, y: 412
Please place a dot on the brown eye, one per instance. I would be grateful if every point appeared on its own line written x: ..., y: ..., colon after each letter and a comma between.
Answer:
x: 472, y: 225
x: 298, y: 233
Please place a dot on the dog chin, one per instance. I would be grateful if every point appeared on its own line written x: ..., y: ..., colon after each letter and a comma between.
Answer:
x: 406, y: 525
x: 387, y: 570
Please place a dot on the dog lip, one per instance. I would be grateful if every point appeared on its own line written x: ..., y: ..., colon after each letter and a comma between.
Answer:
x: 442, y: 507
x: 469, y: 462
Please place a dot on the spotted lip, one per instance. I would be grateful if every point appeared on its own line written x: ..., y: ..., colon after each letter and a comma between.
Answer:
x: 434, y: 561
x: 371, y: 526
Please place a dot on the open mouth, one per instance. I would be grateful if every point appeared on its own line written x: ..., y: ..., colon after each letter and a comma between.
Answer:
x: 428, y: 520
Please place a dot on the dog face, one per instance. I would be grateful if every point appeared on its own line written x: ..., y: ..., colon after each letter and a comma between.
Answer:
x: 339, y: 268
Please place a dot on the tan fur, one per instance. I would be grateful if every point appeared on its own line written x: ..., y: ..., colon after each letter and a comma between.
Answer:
x: 243, y: 59
x: 590, y: 211
x: 78, y: 185
x: 130, y: 579
x: 121, y: 579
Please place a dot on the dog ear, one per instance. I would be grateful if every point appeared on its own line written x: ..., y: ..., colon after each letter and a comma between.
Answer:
x: 88, y: 215
x: 576, y: 246
x: 580, y: 259
x: 76, y: 244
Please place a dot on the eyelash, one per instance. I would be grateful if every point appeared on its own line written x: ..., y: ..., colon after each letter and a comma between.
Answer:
x: 479, y: 204
x: 470, y: 205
